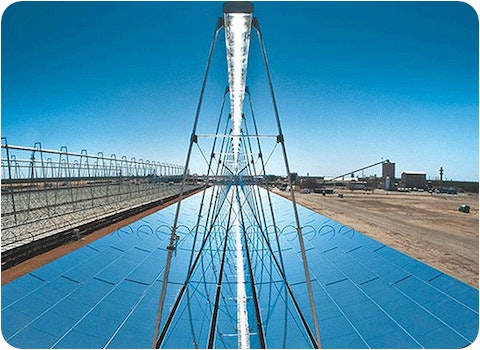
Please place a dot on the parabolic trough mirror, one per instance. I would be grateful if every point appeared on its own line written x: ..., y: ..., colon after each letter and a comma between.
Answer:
x: 367, y: 295
x: 237, y: 266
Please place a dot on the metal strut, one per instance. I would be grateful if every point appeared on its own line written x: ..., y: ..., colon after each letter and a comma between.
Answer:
x: 258, y: 315
x: 156, y: 343
x: 213, y: 325
x: 281, y: 270
x: 256, y: 25
x: 272, y: 213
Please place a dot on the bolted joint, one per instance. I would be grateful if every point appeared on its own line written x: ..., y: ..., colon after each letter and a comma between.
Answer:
x: 220, y: 23
x: 255, y: 23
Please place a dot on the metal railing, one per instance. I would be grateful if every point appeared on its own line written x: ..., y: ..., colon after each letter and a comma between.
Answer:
x: 20, y: 163
x: 45, y: 191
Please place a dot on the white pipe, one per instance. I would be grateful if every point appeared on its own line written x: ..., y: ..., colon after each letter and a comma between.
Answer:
x: 242, y: 313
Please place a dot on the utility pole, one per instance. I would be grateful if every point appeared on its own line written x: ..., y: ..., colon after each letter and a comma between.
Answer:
x: 441, y: 177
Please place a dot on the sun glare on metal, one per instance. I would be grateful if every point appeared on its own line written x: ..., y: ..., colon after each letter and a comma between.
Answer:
x: 237, y: 37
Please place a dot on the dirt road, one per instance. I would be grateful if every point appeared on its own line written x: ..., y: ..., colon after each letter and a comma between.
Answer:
x: 426, y: 226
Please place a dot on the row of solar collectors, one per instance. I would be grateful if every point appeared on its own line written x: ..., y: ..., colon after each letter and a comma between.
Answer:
x: 370, y: 295
x: 102, y: 295
x: 366, y: 294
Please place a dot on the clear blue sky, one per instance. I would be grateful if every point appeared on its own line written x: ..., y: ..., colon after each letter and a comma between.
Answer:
x: 355, y: 82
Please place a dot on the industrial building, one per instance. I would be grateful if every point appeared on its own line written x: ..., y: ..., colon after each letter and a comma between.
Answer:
x: 388, y: 175
x: 412, y: 179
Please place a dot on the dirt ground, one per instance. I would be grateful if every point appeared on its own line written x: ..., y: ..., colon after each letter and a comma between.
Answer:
x: 426, y: 226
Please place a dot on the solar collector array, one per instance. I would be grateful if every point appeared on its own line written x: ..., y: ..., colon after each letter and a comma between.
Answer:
x: 367, y: 294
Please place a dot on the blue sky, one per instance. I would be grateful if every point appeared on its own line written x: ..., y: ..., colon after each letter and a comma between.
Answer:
x: 355, y: 82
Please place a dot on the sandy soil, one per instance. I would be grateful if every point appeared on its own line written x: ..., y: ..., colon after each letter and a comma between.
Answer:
x: 426, y: 226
